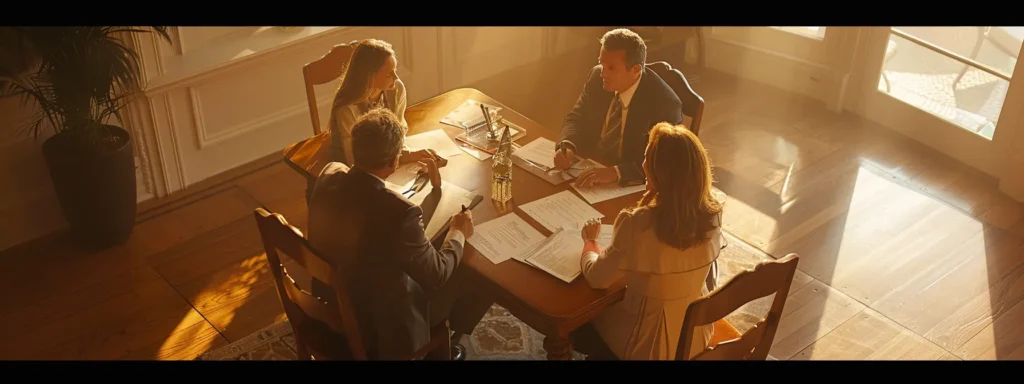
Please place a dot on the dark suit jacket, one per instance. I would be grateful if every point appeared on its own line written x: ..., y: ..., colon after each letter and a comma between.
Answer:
x: 653, y: 102
x: 378, y: 237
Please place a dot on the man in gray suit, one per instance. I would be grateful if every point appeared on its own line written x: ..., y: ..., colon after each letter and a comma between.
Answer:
x: 400, y: 284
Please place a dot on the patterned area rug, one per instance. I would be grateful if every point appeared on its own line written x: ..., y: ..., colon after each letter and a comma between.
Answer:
x: 499, y: 336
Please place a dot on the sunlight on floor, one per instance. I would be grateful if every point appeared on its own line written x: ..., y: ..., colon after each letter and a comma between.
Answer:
x: 221, y: 299
x: 186, y: 336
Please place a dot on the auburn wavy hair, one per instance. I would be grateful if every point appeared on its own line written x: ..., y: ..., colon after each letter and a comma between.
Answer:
x: 681, y: 200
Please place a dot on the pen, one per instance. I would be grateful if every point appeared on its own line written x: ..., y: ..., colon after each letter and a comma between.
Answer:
x: 487, y: 116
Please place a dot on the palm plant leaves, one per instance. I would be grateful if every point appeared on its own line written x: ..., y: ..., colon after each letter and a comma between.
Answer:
x: 78, y: 76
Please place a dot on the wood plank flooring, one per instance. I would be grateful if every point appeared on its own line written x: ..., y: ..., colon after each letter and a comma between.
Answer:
x: 905, y: 254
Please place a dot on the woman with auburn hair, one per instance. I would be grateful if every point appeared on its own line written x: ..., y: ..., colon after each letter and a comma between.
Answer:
x: 370, y: 81
x: 664, y: 248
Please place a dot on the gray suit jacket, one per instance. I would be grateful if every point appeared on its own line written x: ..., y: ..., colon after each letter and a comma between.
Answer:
x: 377, y: 236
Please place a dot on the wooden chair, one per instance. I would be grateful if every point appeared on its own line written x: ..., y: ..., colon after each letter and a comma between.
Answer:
x: 774, y: 276
x: 324, y: 329
x: 693, y: 104
x: 322, y: 71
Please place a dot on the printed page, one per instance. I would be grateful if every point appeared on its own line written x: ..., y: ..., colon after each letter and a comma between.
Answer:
x: 539, y: 151
x: 506, y: 237
x: 598, y: 193
x: 560, y: 256
x: 563, y: 209
x: 604, y: 239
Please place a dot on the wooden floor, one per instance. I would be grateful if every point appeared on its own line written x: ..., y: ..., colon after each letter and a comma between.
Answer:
x: 905, y: 254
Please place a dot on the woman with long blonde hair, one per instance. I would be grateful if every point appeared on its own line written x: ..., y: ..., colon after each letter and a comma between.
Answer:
x: 663, y: 248
x: 370, y: 81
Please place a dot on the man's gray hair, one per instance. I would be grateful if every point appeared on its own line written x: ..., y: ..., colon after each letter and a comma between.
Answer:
x: 623, y: 39
x: 377, y: 139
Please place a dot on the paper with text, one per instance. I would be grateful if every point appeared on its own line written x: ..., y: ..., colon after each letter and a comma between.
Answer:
x: 598, y: 193
x: 560, y: 255
x: 436, y: 140
x: 540, y: 151
x: 506, y: 237
x: 562, y: 209
x: 604, y: 239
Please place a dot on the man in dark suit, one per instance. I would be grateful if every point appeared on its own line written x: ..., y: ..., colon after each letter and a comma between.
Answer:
x: 401, y: 285
x: 621, y: 101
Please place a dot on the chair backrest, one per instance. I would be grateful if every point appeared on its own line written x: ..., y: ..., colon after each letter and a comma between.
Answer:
x: 773, y: 276
x: 324, y: 70
x: 693, y: 104
x: 301, y: 306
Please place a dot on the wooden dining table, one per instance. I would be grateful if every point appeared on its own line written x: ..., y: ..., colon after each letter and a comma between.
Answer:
x: 549, y: 305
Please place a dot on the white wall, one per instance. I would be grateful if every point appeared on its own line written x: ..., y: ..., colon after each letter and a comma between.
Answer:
x: 819, y: 69
x: 209, y: 108
x: 220, y: 97
x: 28, y: 203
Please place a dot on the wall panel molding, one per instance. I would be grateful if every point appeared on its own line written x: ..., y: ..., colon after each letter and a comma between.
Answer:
x: 196, y: 125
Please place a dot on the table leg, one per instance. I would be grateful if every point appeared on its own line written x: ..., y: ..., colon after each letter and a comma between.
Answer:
x: 558, y: 347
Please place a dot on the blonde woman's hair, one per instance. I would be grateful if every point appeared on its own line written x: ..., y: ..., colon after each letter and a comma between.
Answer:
x: 368, y: 57
x: 682, y: 205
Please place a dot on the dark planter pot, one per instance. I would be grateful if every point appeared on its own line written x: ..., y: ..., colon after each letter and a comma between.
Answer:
x: 96, y: 191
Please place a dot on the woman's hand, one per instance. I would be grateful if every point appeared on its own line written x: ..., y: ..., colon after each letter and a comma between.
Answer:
x: 592, y: 230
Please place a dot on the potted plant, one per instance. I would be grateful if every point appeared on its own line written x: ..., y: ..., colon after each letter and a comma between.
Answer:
x: 78, y: 79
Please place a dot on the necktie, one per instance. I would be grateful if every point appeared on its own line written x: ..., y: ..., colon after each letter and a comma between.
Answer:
x: 612, y: 134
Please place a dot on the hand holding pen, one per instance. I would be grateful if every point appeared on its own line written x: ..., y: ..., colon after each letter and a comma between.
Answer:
x: 463, y: 221
x: 564, y: 157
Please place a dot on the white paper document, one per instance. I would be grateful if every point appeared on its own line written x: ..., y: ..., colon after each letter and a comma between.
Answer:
x: 562, y: 209
x: 598, y: 193
x: 539, y: 151
x: 438, y: 208
x: 506, y: 237
x: 436, y: 140
x: 604, y: 239
x: 560, y: 255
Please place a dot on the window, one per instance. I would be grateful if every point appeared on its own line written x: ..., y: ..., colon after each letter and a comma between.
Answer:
x: 812, y: 32
x: 960, y: 74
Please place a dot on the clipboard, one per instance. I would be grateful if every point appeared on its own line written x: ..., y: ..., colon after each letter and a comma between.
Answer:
x: 440, y: 235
